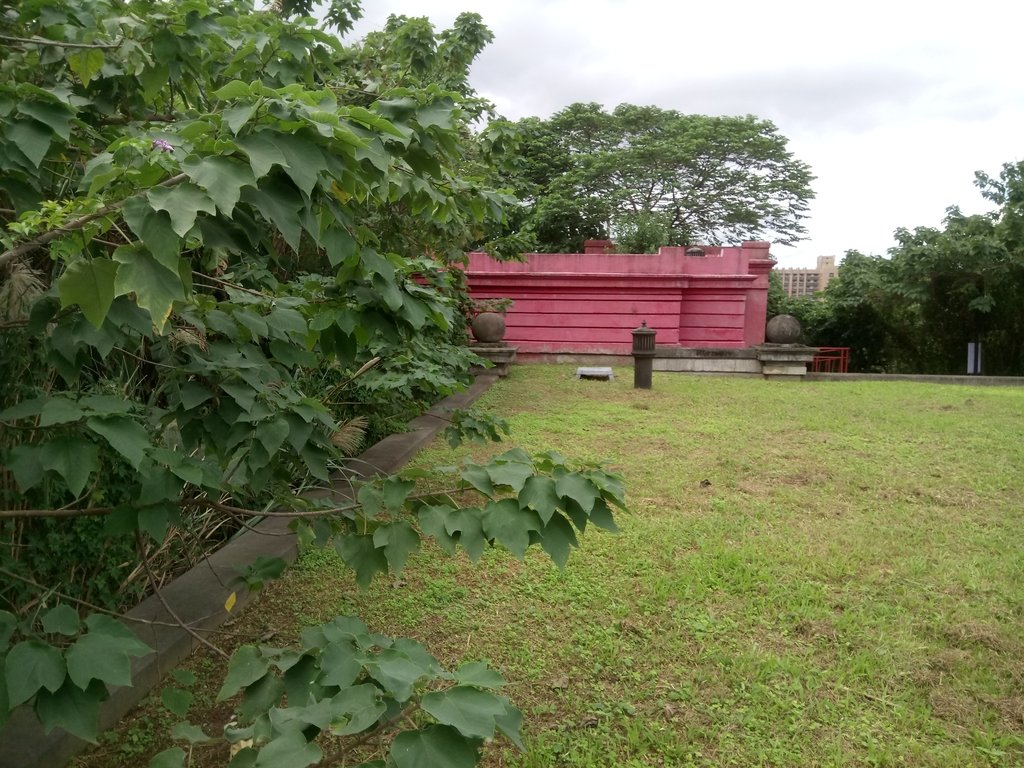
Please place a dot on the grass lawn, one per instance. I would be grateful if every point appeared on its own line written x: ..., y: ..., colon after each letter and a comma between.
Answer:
x: 811, y: 574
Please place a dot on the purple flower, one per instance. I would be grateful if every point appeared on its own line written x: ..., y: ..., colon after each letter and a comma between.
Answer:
x: 162, y: 145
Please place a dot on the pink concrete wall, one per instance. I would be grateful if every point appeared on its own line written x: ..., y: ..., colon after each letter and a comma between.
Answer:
x: 589, y: 302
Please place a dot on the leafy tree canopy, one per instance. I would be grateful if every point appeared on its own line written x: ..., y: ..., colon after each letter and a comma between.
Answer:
x: 916, y: 310
x: 225, y: 249
x: 648, y: 177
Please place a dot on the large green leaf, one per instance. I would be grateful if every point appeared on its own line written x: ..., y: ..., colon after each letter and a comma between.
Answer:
x: 25, y: 409
x: 289, y: 750
x: 432, y: 520
x: 90, y: 285
x: 287, y: 323
x: 338, y: 664
x: 511, y: 473
x: 478, y: 674
x: 361, y: 555
x: 105, y: 405
x: 578, y: 488
x: 237, y: 116
x: 154, y: 79
x: 60, y: 410
x: 471, y: 711
x: 278, y: 203
x: 305, y: 161
x: 601, y: 516
x: 31, y: 137
x: 86, y: 63
x: 510, y: 525
x: 155, y: 287
x: 55, y: 114
x: 360, y: 705
x: 176, y: 700
x: 245, y: 758
x: 261, y: 696
x: 169, y: 758
x: 395, y: 491
x: 23, y: 463
x: 538, y: 492
x: 71, y: 708
x: 438, y: 746
x: 372, y: 120
x: 557, y: 539
x: 438, y: 115
x: 398, y: 540
x: 101, y: 624
x: 479, y: 478
x: 263, y: 152
x: 236, y: 89
x: 72, y: 458
x: 339, y: 245
x: 193, y: 394
x: 193, y: 734
x: 155, y: 230
x: 97, y: 656
x: 159, y: 484
x: 295, y: 718
x: 397, y: 672
x: 466, y: 523
x: 61, y: 620
x: 511, y: 723
x: 247, y: 665
x: 370, y: 500
x: 31, y: 666
x: 222, y: 178
x: 272, y: 434
x: 126, y: 436
x: 183, y: 202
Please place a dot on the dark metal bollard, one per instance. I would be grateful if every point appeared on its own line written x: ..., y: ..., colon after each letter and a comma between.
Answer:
x: 643, y: 356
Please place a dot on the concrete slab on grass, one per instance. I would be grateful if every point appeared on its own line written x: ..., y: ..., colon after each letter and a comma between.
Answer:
x: 595, y: 373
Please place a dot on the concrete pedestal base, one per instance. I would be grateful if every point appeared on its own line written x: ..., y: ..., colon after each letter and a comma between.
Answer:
x: 784, y: 361
x: 501, y: 355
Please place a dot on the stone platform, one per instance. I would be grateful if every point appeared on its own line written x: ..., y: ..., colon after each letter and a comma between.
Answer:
x: 499, y: 354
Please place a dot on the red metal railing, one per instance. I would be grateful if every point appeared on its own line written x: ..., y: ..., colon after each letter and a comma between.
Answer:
x: 831, y: 360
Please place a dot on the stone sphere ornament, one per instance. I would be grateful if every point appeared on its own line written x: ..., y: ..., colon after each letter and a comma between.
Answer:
x: 783, y: 329
x: 488, y: 327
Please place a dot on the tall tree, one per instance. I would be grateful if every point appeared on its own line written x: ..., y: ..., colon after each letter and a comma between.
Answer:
x: 649, y: 177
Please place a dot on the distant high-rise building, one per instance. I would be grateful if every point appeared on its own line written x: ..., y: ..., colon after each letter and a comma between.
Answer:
x: 803, y: 281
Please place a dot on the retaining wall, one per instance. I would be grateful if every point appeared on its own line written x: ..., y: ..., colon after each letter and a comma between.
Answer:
x: 589, y: 302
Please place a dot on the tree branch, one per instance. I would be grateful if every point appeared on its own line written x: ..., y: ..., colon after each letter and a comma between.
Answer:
x: 99, y: 608
x: 232, y: 286
x: 125, y: 119
x: 404, y: 714
x: 167, y: 607
x: 9, y: 514
x: 74, y: 226
x: 231, y: 510
x: 57, y: 43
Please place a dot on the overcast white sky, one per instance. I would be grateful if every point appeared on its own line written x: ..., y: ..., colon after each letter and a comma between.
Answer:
x: 893, y: 104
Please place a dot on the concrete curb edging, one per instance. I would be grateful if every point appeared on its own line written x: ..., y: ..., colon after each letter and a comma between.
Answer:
x: 923, y: 378
x: 198, y: 596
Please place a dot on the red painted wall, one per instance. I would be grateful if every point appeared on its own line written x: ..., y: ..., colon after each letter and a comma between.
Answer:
x: 589, y: 302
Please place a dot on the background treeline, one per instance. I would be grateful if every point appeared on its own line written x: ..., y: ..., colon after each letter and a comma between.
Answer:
x: 916, y: 310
